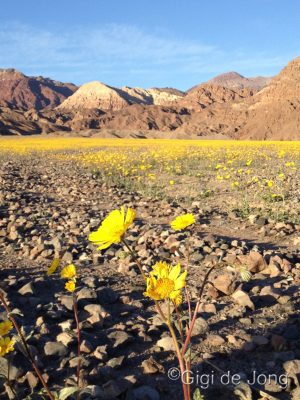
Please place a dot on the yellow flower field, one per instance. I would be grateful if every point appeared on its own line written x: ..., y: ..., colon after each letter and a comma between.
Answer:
x: 248, y: 174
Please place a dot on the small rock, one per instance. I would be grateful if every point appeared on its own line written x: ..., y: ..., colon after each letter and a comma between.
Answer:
x: 151, y: 366
x: 55, y: 349
x: 200, y: 327
x: 243, y: 299
x: 214, y: 340
x: 224, y: 283
x: 166, y: 343
x: 27, y: 289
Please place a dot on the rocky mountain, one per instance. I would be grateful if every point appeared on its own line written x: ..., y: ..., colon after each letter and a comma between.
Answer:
x: 153, y: 96
x: 24, y: 92
x: 95, y: 95
x: 98, y: 95
x: 274, y: 112
x: 205, y: 95
x: 233, y: 80
x: 271, y: 113
x: 210, y: 109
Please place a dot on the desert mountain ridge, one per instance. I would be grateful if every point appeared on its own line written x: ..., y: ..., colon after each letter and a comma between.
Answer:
x: 25, y: 92
x: 228, y: 105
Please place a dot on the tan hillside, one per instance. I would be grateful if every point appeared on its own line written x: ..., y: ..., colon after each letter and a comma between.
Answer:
x: 205, y: 95
x: 274, y: 112
x: 154, y: 96
x: 95, y: 95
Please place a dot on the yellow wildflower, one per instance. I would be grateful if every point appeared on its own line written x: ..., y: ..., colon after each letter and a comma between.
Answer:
x: 171, y: 183
x: 5, y: 327
x: 112, y: 228
x: 70, y: 286
x: 6, y: 345
x: 182, y: 222
x: 165, y: 282
x: 53, y: 267
x: 270, y: 183
x: 69, y: 272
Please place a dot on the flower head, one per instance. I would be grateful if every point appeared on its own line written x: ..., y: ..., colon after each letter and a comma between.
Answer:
x: 182, y: 222
x: 53, y: 267
x: 69, y: 272
x: 165, y: 282
x: 5, y: 327
x: 113, y: 228
x: 70, y: 286
x: 6, y: 345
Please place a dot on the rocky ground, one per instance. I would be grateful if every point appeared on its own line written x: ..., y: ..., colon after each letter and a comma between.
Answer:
x: 48, y: 208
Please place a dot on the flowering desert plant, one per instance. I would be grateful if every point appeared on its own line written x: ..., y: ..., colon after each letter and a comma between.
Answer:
x: 166, y: 285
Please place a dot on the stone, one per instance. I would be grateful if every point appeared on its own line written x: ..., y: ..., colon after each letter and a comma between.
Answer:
x: 214, y: 340
x: 27, y: 289
x: 144, y: 393
x: 67, y: 301
x: 119, y: 338
x: 55, y: 349
x: 101, y: 353
x: 65, y: 338
x: 115, y: 362
x: 86, y: 294
x: 292, y: 368
x: 208, y: 308
x: 86, y: 346
x: 151, y: 366
x: 243, y: 299
x: 166, y: 343
x: 224, y: 283
x: 200, y: 327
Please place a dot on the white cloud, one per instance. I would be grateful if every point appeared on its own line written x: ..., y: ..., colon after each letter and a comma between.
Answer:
x: 120, y: 54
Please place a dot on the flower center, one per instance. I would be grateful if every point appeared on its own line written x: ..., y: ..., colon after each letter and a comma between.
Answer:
x: 164, y: 287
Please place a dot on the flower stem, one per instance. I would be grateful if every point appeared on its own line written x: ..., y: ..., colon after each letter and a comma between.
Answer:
x: 190, y: 331
x: 26, y: 347
x: 135, y: 257
x: 75, y: 308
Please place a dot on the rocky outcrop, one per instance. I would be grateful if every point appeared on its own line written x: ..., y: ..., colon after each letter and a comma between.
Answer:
x: 95, y: 95
x: 20, y: 91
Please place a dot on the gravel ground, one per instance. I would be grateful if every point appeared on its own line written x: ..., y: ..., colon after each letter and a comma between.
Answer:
x: 48, y: 208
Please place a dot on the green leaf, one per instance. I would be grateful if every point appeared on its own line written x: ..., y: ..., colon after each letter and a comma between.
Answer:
x: 67, y: 392
x: 197, y: 395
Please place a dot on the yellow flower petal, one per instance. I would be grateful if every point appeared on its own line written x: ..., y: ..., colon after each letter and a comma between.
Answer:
x: 5, y: 327
x: 175, y: 271
x: 53, y: 267
x: 69, y: 272
x: 112, y: 228
x: 6, y: 345
x: 182, y: 222
x: 70, y: 286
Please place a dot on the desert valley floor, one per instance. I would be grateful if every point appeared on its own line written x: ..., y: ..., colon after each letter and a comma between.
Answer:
x: 245, y: 198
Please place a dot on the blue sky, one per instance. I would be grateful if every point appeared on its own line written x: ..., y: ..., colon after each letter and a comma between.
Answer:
x: 148, y: 42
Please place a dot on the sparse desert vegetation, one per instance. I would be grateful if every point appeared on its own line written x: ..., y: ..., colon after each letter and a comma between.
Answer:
x: 199, y: 271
